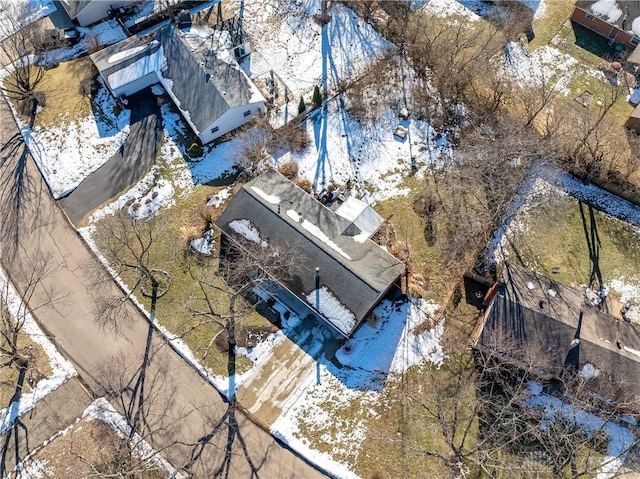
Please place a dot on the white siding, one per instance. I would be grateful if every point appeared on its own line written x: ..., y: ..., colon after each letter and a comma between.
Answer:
x: 136, y: 85
x: 97, y: 10
x: 232, y: 119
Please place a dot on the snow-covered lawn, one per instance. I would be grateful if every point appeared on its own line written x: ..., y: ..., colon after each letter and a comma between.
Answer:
x: 296, y: 49
x: 33, y: 9
x: 620, y: 439
x: 67, y: 153
x: 61, y: 368
x: 313, y: 421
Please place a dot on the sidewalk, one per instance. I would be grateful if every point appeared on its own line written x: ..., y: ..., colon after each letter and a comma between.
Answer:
x: 53, y: 414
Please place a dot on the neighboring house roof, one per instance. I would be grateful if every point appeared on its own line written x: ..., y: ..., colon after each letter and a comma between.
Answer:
x: 357, y: 273
x: 537, y: 314
x: 624, y: 14
x: 203, y: 80
x: 635, y: 56
x: 205, y: 84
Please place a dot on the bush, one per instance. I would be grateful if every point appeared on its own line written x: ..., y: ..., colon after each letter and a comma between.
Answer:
x: 195, y: 150
x: 317, y: 96
x: 117, y: 109
x: 304, y: 184
x: 89, y: 85
x: 289, y: 170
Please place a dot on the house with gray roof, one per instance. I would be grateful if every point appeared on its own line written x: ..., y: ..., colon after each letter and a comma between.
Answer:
x: 532, y: 315
x: 87, y: 12
x: 212, y: 92
x: 342, y: 274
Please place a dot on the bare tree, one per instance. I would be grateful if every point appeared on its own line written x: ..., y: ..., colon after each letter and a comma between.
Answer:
x: 14, y: 312
x: 21, y: 41
x: 226, y: 296
x: 482, y: 179
x: 129, y: 245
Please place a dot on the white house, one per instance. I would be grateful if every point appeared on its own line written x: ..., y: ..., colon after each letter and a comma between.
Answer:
x: 214, y: 95
x: 86, y: 12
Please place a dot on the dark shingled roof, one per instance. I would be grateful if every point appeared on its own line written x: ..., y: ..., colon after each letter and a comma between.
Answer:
x: 515, y: 314
x: 358, y: 276
x: 629, y: 8
x: 205, y: 85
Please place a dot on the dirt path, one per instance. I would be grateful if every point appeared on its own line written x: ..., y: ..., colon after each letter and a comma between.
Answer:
x: 185, y: 416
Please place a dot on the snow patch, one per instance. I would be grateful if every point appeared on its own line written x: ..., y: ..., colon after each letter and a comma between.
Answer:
x: 272, y: 199
x: 608, y: 9
x: 246, y: 229
x: 332, y: 309
x: 320, y: 235
x: 217, y: 199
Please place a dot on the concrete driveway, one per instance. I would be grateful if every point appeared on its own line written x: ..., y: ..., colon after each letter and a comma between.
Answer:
x: 127, y: 166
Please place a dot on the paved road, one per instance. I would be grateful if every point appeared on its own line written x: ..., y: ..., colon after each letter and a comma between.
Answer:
x: 127, y: 166
x: 184, y: 416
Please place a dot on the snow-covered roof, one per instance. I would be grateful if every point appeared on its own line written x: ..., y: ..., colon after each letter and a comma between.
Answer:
x: 203, y: 82
x: 624, y: 14
x: 362, y: 215
x: 354, y: 275
x: 150, y: 63
x: 123, y: 54
x: 543, y: 316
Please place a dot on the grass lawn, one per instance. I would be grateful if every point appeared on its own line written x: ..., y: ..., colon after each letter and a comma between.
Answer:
x: 39, y: 367
x: 180, y: 223
x: 428, y: 277
x: 62, y: 89
x: 555, y: 13
x: 557, y: 234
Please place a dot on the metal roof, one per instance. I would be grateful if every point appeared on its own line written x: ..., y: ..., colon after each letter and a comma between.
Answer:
x: 356, y: 273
